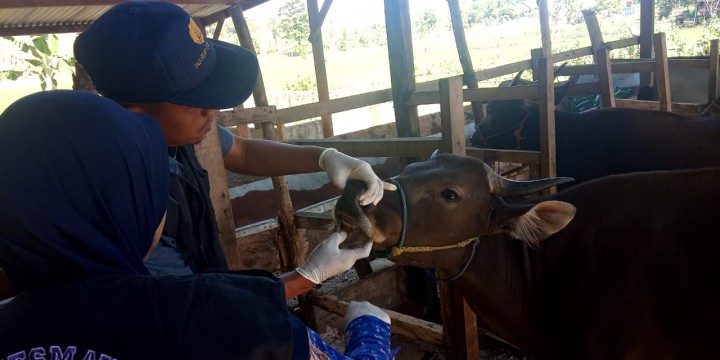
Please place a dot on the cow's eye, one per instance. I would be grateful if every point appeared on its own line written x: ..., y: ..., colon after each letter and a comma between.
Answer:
x: 450, y: 195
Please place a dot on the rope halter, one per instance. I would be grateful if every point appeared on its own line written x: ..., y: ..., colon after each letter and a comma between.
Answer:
x: 399, y: 249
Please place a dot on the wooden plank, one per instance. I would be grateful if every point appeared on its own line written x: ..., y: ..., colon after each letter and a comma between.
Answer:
x: 508, y: 156
x: 314, y: 221
x: 402, y: 65
x: 408, y: 326
x: 459, y: 322
x: 209, y: 155
x: 686, y: 109
x: 460, y: 333
x: 239, y: 116
x: 662, y: 72
x: 605, y: 80
x: 308, y: 111
x: 321, y: 79
x: 452, y: 116
x: 713, y: 71
x: 314, y: 31
x: 547, y: 120
x: 479, y: 94
x: 392, y: 147
x: 647, y: 29
x: 501, y: 70
x: 594, y: 32
x: 545, y: 29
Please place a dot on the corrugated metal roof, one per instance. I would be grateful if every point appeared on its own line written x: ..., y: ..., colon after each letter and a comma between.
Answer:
x: 61, y: 19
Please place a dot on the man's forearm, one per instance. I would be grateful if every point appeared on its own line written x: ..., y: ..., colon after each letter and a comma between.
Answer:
x: 296, y: 284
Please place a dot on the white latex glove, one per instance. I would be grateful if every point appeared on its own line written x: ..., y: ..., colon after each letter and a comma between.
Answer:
x: 341, y: 167
x: 360, y: 308
x: 327, y: 259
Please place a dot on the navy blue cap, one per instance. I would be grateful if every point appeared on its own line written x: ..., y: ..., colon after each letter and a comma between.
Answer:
x: 153, y: 52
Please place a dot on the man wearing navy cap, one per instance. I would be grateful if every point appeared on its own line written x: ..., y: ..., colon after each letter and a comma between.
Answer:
x: 152, y: 58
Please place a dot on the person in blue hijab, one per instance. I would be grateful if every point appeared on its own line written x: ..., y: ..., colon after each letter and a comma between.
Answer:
x: 83, y: 191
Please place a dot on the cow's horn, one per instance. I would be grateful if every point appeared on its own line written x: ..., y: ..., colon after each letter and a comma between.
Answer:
x: 505, y: 187
x: 517, y: 78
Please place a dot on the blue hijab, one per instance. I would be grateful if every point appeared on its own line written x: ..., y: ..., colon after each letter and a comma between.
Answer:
x: 83, y: 186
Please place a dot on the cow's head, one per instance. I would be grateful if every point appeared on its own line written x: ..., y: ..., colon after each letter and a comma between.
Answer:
x: 450, y: 201
x: 513, y: 124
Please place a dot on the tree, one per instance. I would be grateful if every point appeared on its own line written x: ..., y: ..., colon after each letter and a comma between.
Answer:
x: 41, y: 58
x: 294, y: 25
x: 427, y: 22
x: 665, y: 7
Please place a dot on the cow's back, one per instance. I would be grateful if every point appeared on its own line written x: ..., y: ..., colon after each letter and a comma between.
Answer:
x: 634, y: 274
x: 616, y: 141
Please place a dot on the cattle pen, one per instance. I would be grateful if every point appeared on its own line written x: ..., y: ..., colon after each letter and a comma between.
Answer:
x: 282, y: 241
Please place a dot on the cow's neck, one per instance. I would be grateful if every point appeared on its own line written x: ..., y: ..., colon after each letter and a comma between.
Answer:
x: 499, y: 285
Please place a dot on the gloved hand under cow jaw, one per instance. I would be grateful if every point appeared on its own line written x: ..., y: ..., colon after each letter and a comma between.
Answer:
x: 341, y: 167
x: 328, y: 260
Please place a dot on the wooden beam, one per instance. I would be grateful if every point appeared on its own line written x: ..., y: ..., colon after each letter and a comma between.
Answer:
x: 452, y: 116
x: 713, y: 71
x: 321, y: 79
x: 545, y: 29
x: 593, y: 28
x: 402, y: 65
x: 662, y: 72
x: 547, y: 120
x: 682, y: 108
x: 314, y: 31
x: 408, y: 326
x: 508, y: 156
x: 391, y: 147
x: 647, y: 29
x: 307, y: 111
x: 209, y: 155
x: 605, y: 80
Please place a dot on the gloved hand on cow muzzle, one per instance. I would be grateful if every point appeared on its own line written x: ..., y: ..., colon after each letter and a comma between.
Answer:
x: 341, y: 167
x: 328, y: 260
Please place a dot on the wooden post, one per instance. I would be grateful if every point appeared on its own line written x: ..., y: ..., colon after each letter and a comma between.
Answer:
x: 647, y: 29
x: 460, y: 333
x: 546, y: 99
x: 316, y: 20
x: 662, y: 72
x: 596, y: 38
x: 713, y: 71
x: 452, y: 116
x: 285, y: 214
x: 545, y: 30
x: 465, y: 60
x: 402, y: 65
x: 209, y: 155
x: 535, y: 55
x: 605, y: 80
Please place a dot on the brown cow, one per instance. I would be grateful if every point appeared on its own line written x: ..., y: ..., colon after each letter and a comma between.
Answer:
x: 621, y: 267
x: 606, y: 141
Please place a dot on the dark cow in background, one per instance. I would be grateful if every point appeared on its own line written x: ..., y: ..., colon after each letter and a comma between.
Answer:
x: 605, y: 141
x: 623, y: 267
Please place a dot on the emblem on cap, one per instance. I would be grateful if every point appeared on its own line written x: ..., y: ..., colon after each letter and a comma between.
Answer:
x: 195, y: 33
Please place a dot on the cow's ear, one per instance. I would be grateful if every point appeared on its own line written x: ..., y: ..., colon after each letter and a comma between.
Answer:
x: 541, y: 221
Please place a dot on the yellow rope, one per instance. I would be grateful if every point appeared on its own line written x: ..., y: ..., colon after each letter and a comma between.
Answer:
x: 397, y: 251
